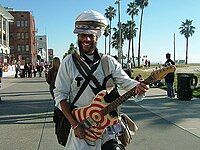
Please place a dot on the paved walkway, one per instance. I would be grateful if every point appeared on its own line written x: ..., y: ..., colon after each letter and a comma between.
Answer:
x: 26, y: 119
x: 183, y: 113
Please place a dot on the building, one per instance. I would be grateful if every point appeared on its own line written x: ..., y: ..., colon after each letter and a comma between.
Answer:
x: 22, y: 38
x: 5, y: 19
x: 42, y: 48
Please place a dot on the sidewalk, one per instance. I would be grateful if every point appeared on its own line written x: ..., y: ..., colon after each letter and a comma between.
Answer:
x: 26, y: 115
x: 26, y: 119
x: 183, y: 113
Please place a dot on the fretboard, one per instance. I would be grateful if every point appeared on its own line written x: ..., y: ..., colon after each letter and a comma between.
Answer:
x: 113, y: 105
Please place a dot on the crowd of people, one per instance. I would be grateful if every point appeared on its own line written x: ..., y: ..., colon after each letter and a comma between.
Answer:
x: 29, y: 71
x: 146, y: 62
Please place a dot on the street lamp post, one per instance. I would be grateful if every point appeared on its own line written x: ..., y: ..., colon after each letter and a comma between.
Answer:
x: 120, y: 32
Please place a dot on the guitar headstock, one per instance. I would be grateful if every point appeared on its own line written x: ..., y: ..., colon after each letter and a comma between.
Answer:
x: 161, y: 73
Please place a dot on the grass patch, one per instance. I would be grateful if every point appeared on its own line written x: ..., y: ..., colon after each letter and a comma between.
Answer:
x: 196, y: 92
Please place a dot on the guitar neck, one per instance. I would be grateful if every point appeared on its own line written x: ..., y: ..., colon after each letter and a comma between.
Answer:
x: 113, y: 105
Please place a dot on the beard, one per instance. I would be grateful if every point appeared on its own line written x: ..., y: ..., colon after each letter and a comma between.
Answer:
x: 87, y: 50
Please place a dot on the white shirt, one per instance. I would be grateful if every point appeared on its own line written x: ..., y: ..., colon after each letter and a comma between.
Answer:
x: 66, y: 88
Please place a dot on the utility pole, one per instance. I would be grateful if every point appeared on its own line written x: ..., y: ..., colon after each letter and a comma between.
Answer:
x: 120, y: 33
x: 174, y: 46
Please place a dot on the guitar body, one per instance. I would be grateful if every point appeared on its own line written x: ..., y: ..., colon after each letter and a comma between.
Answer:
x: 92, y: 118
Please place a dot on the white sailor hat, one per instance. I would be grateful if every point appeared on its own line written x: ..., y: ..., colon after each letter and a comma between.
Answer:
x: 90, y: 22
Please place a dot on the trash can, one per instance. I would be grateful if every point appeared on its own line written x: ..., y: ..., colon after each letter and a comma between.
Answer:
x: 185, y: 85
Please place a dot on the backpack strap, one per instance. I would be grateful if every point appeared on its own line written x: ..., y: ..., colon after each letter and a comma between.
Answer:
x: 107, y: 72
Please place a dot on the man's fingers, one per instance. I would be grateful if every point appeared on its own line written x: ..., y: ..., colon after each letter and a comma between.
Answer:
x: 80, y: 132
x: 141, y: 88
x: 144, y: 86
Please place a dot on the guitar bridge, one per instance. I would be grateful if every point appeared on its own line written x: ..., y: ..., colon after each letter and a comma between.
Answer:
x: 89, y: 122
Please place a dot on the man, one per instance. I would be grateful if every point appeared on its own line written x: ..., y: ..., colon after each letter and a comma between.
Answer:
x: 89, y: 26
x: 169, y: 78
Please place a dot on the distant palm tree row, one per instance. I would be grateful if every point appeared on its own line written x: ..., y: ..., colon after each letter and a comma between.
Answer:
x: 129, y: 30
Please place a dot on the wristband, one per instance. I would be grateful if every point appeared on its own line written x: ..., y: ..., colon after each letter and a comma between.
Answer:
x: 74, y: 127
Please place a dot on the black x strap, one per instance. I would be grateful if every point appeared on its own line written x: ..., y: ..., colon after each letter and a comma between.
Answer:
x: 87, y: 73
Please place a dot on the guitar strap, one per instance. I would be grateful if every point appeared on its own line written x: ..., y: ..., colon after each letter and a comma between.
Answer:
x: 87, y: 70
x: 80, y: 64
x: 108, y: 82
x: 106, y: 70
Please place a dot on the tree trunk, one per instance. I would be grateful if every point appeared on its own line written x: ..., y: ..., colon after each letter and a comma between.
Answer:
x: 110, y: 38
x: 186, y: 59
x: 105, y: 44
x: 132, y: 44
x: 129, y: 48
x: 174, y: 48
x: 140, y: 38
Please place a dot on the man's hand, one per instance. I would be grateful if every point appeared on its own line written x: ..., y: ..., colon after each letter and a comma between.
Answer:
x: 79, y: 131
x: 141, y: 88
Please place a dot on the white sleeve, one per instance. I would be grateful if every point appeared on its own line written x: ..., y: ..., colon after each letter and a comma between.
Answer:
x: 120, y: 76
x: 62, y: 83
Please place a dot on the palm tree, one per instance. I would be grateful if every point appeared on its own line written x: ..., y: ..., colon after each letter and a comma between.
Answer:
x: 187, y: 30
x: 72, y: 48
x: 142, y: 4
x: 127, y: 36
x: 106, y: 33
x: 124, y: 35
x: 132, y: 11
x: 129, y: 33
x: 115, y: 37
x: 110, y: 14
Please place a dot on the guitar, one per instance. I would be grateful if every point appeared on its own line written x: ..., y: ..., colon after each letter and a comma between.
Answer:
x: 95, y: 117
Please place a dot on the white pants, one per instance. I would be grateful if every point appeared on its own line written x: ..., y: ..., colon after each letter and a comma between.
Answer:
x: 74, y: 143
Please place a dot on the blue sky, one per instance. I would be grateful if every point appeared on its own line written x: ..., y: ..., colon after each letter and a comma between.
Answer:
x: 162, y: 18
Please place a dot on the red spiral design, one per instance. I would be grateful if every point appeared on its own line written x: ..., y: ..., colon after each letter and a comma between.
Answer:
x: 93, y: 111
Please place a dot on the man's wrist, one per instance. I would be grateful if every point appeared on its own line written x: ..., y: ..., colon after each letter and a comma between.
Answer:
x: 75, y: 126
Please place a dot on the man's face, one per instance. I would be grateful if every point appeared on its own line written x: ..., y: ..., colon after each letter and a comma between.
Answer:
x: 87, y: 43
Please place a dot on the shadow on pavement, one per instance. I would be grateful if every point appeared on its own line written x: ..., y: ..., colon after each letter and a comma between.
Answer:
x: 29, y: 107
x: 172, y: 109
x: 20, y: 93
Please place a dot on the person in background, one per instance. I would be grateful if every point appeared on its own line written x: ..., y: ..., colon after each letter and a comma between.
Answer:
x: 30, y: 70
x: 26, y: 70
x: 39, y: 68
x: 89, y: 27
x: 46, y: 68
x: 51, y: 75
x: 34, y: 71
x: 1, y: 74
x: 17, y: 69
x: 169, y: 78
